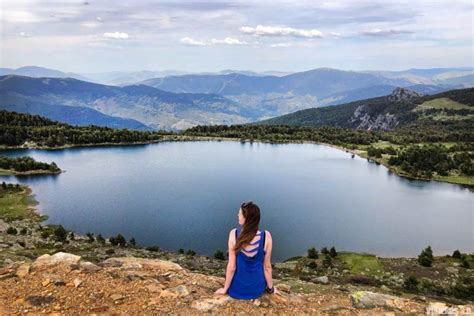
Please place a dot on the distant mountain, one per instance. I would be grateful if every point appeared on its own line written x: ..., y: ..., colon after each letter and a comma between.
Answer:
x: 318, y: 82
x: 431, y: 76
x: 121, y: 78
x: 150, y: 106
x: 378, y: 91
x: 73, y: 115
x: 39, y: 72
x: 401, y: 107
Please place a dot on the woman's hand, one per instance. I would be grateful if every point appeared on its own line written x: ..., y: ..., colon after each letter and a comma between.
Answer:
x: 221, y: 291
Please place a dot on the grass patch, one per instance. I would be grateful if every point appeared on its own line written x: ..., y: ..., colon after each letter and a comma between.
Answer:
x: 443, y: 103
x: 17, y: 205
x: 358, y: 263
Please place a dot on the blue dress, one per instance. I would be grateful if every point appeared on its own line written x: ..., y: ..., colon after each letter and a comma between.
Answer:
x: 249, y: 279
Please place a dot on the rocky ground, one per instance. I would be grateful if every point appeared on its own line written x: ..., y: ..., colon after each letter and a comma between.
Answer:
x: 42, y: 271
x: 65, y: 284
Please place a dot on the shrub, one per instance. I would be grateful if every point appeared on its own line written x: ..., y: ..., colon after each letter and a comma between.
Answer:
x: 100, y: 239
x: 60, y: 233
x: 44, y: 234
x: 90, y: 236
x: 153, y: 248
x: 362, y: 279
x: 327, y: 261
x: 313, y: 265
x: 312, y: 253
x: 23, y: 231
x: 457, y: 254
x: 181, y: 250
x: 411, y: 284
x: 324, y: 250
x: 333, y: 252
x: 72, y: 236
x: 464, y: 262
x: 12, y: 230
x: 190, y: 252
x: 118, y: 240
x: 132, y: 242
x: 426, y: 257
x: 219, y: 255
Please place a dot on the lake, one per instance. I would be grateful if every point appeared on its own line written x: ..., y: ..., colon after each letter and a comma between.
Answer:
x: 187, y: 195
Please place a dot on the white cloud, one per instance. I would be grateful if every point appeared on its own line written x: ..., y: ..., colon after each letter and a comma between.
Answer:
x: 228, y: 41
x: 388, y: 32
x: 18, y: 16
x: 116, y: 35
x: 281, y: 45
x: 261, y: 30
x: 24, y: 34
x: 192, y: 42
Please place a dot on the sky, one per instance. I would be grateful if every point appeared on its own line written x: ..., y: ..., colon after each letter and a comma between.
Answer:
x: 195, y: 36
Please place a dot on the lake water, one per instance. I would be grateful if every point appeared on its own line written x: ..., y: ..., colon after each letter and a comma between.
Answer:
x: 187, y: 195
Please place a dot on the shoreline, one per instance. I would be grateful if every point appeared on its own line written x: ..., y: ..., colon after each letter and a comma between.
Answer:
x: 177, y: 138
x: 10, y: 172
x: 32, y: 214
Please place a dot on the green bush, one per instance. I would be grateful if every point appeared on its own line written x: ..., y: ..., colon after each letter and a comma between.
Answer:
x: 327, y: 261
x: 457, y: 254
x: 60, y: 233
x: 333, y: 252
x: 426, y: 257
x: 12, y: 230
x: 191, y: 252
x: 181, y: 250
x: 324, y: 251
x: 153, y: 248
x: 118, y: 240
x: 100, y: 239
x: 132, y: 242
x: 219, y: 255
x: 313, y: 265
x: 411, y: 284
x: 313, y: 253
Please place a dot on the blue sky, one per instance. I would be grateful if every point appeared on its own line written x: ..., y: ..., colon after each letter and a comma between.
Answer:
x: 96, y: 36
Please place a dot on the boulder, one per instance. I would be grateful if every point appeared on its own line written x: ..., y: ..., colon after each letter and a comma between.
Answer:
x: 366, y: 299
x: 321, y: 279
x: 23, y: 270
x: 437, y: 308
x: 57, y: 258
x: 208, y: 304
x: 177, y: 291
x: 138, y: 263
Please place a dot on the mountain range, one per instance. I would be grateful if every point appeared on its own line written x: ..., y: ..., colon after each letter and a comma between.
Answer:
x: 152, y: 107
x: 175, y: 100
x: 400, y: 108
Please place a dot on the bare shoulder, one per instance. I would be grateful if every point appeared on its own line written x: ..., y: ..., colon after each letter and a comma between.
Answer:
x: 268, y: 238
x: 232, y: 234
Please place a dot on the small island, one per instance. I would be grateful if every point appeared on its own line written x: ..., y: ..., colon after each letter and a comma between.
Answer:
x: 26, y: 166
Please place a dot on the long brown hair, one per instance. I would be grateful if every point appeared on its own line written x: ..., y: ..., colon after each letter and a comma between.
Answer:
x: 251, y: 213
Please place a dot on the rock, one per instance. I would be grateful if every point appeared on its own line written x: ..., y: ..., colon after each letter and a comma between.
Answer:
x: 322, y: 280
x: 23, y: 270
x: 59, y: 282
x: 89, y: 267
x: 437, y: 308
x: 77, y: 283
x: 117, y: 297
x: 283, y: 287
x: 39, y: 300
x: 57, y: 258
x: 177, y: 291
x: 3, y: 226
x: 138, y: 263
x: 46, y: 282
x: 256, y: 302
x: 207, y: 304
x: 366, y: 299
x: 154, y: 288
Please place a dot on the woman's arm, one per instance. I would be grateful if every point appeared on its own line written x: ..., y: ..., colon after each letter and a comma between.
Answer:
x: 267, y: 262
x: 230, y: 264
